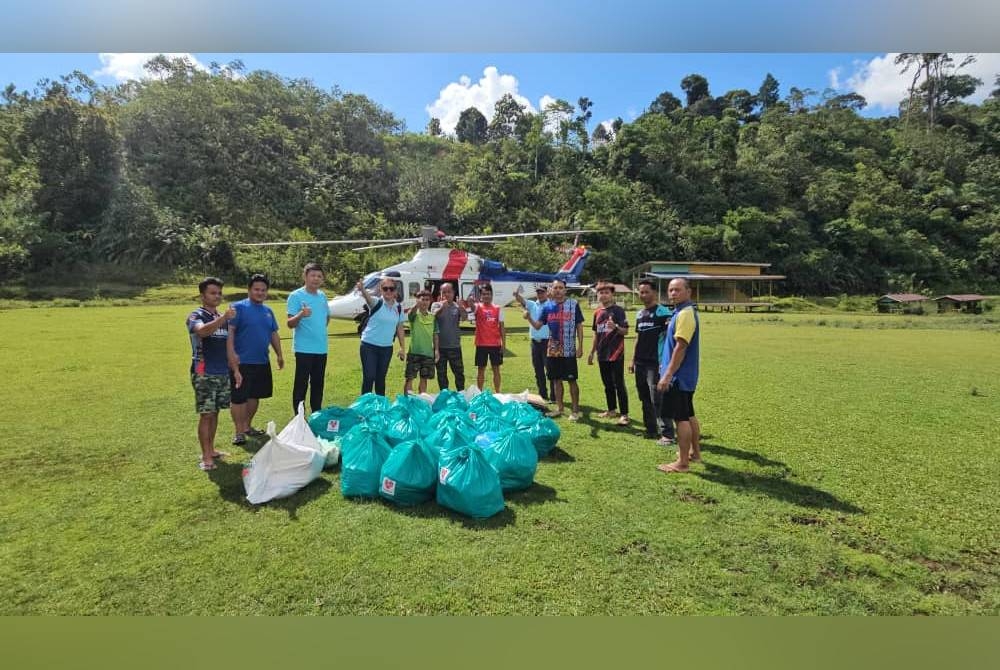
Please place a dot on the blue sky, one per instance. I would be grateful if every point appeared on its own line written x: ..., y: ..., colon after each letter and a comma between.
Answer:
x: 618, y: 84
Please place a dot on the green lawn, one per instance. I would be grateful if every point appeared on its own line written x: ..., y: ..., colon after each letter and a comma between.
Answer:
x: 849, y: 468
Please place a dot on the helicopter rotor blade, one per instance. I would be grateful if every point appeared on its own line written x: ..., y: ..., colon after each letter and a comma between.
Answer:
x: 500, y: 236
x: 402, y: 243
x: 408, y: 240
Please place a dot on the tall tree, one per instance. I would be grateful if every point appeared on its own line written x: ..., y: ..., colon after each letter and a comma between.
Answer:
x: 507, y: 115
x: 665, y: 103
x: 931, y: 75
x: 741, y: 100
x: 695, y: 88
x: 471, y: 126
x: 434, y: 127
x: 767, y: 94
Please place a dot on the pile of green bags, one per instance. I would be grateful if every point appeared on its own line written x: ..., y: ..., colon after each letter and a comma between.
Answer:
x: 464, y: 453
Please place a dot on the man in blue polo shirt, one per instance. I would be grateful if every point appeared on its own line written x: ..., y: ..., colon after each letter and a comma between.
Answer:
x: 308, y: 315
x: 250, y: 333
x: 539, y: 339
x: 679, y: 375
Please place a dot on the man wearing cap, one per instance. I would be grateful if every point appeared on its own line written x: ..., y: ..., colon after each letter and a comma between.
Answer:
x: 539, y: 339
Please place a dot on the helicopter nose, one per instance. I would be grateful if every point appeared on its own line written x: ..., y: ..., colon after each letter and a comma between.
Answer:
x: 345, y: 306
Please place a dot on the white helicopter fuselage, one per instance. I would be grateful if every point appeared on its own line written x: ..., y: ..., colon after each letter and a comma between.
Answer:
x: 433, y: 266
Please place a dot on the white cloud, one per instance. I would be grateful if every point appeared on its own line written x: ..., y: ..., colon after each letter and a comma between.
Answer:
x: 835, y: 77
x: 125, y: 66
x: 483, y: 95
x: 883, y: 85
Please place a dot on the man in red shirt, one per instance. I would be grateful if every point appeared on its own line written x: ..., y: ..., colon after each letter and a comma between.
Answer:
x: 491, y: 338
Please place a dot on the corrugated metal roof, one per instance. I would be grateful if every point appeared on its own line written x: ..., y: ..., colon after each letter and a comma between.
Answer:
x: 962, y: 297
x: 688, y: 275
x: 905, y: 297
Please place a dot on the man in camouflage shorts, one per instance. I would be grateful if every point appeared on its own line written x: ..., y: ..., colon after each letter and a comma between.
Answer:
x: 209, y: 330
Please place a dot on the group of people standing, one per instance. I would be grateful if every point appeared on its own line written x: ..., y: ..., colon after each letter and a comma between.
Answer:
x: 231, y: 368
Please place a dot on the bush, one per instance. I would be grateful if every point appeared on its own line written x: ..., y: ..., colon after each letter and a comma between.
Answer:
x: 13, y: 261
x: 794, y: 304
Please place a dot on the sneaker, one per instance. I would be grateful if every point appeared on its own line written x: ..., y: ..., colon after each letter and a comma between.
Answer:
x: 240, y: 439
x: 255, y: 432
x: 623, y: 421
x: 573, y: 416
x: 665, y: 441
x: 554, y: 414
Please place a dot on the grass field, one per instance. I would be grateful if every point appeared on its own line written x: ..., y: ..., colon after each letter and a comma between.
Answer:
x: 849, y: 469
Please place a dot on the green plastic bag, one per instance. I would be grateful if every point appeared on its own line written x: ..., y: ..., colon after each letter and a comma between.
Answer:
x: 449, y: 399
x: 369, y: 403
x: 491, y: 423
x: 449, y: 416
x: 513, y: 456
x: 363, y: 453
x: 333, y: 422
x: 449, y: 436
x: 468, y: 484
x: 409, y: 475
x: 414, y: 407
x: 520, y: 414
x: 483, y: 404
x: 544, y: 435
x: 401, y: 427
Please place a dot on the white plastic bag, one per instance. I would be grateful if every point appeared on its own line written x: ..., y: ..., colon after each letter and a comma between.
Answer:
x: 281, y: 468
x: 331, y: 450
x: 471, y: 392
x: 512, y: 397
x: 298, y: 432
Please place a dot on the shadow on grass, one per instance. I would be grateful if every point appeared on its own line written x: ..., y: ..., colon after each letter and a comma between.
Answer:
x: 777, y: 487
x: 751, y: 456
x: 535, y: 494
x: 431, y: 510
x: 557, y: 455
x: 229, y: 478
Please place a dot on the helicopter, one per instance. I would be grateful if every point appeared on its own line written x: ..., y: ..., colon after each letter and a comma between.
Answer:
x: 435, y: 264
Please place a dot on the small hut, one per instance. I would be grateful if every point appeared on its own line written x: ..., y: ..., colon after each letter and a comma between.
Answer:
x: 970, y: 303
x: 906, y: 303
x: 624, y: 295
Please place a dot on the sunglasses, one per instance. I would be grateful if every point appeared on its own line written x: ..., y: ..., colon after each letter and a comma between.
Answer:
x: 388, y: 288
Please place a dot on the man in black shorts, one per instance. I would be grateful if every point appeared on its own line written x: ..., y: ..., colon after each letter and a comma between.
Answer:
x: 679, y: 375
x: 565, y: 321
x: 250, y: 333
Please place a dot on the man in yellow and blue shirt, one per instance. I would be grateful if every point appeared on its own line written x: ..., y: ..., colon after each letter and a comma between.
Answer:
x: 679, y: 375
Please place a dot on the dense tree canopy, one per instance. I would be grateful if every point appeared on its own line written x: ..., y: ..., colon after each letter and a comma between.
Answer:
x: 174, y: 170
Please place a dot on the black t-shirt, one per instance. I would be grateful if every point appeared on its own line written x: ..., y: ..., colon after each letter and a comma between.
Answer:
x: 650, y: 332
x: 610, y: 342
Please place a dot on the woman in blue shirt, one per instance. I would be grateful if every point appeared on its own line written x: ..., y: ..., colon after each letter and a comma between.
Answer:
x: 384, y: 324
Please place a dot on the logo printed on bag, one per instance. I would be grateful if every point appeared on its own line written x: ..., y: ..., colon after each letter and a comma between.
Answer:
x: 443, y: 476
x: 333, y: 426
x: 388, y: 486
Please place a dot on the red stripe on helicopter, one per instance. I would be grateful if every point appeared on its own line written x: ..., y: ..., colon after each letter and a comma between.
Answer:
x: 456, y: 263
x: 573, y: 260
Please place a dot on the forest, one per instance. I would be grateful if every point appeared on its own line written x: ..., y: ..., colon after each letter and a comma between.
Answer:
x: 171, y: 173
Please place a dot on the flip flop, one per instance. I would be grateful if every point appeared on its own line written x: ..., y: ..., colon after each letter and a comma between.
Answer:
x: 204, y: 467
x: 255, y: 432
x: 240, y: 439
x: 220, y: 454
x: 669, y: 468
